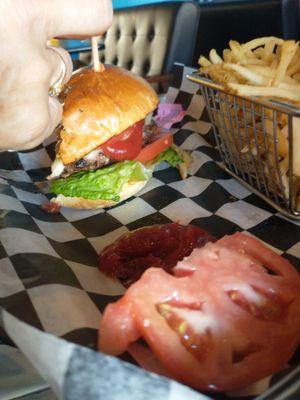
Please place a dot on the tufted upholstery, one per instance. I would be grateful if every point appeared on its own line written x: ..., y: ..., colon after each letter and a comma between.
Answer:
x: 138, y: 39
x: 148, y: 40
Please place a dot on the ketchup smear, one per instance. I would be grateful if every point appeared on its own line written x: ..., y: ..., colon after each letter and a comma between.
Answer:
x: 126, y: 145
x: 160, y: 246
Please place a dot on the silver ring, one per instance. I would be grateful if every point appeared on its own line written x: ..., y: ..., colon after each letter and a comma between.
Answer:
x: 56, y: 87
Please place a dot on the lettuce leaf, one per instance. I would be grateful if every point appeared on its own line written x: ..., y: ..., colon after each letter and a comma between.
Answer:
x: 170, y: 155
x: 104, y: 183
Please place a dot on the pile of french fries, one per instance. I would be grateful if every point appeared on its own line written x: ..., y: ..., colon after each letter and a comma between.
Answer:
x: 264, y: 67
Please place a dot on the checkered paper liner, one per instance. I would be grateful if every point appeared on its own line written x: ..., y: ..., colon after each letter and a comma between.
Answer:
x: 48, y: 262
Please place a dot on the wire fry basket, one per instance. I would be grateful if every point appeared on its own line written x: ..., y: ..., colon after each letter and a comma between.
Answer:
x: 259, y: 143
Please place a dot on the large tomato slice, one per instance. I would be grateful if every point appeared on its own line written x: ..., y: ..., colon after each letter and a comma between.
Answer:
x: 153, y: 149
x: 224, y: 325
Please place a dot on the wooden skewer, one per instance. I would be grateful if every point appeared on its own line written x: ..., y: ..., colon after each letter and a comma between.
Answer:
x: 98, y: 66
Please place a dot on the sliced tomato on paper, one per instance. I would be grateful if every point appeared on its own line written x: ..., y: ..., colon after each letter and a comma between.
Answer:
x: 259, y: 252
x: 225, y: 324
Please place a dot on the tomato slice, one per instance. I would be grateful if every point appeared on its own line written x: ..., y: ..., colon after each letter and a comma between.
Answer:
x: 146, y: 359
x: 223, y: 326
x: 125, y: 146
x: 153, y: 149
x: 259, y: 252
x: 128, y: 145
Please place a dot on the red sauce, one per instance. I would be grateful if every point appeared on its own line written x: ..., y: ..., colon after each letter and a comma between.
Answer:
x: 125, y: 146
x: 50, y: 207
x: 160, y: 246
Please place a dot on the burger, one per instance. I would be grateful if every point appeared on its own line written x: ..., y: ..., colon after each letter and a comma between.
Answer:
x: 108, y: 144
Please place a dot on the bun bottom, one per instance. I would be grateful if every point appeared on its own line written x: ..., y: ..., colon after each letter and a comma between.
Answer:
x: 129, y: 189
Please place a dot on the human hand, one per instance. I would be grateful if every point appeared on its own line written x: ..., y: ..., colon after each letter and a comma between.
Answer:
x: 28, y: 68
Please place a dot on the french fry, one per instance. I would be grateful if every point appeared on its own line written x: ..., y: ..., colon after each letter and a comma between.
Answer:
x: 203, y: 61
x: 253, y: 44
x: 255, y: 61
x: 227, y: 56
x: 290, y: 80
x: 296, y: 77
x: 262, y: 70
x: 265, y: 91
x: 268, y: 51
x: 288, y: 51
x: 296, y: 58
x: 280, y: 139
x: 284, y: 165
x: 259, y: 52
x: 275, y: 62
x: 247, y: 74
x: 289, y: 86
x: 284, y: 127
x: 236, y: 52
x: 214, y: 57
x: 253, y: 55
x: 219, y: 74
x: 293, y: 69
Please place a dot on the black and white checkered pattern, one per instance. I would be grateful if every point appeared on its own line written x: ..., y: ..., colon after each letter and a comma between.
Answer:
x: 48, y: 262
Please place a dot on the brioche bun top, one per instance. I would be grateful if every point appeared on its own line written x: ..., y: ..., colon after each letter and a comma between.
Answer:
x: 100, y: 105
